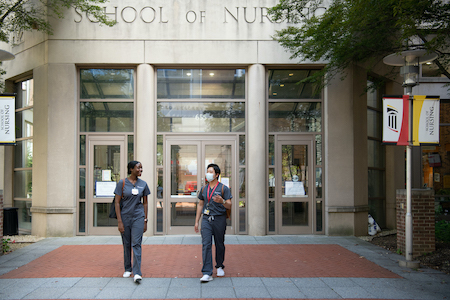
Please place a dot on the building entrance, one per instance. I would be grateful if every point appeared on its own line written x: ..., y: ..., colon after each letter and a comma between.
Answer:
x: 294, y: 195
x: 106, y: 166
x: 188, y: 158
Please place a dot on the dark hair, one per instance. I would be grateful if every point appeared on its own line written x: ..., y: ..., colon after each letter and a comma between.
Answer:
x: 216, y: 168
x: 131, y: 165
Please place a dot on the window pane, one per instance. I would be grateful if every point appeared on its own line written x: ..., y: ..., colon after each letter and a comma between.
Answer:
x: 242, y: 150
x: 374, y: 123
x: 271, y: 215
x: 375, y: 154
x: 159, y: 150
x: 201, y: 117
x: 23, y: 154
x: 294, y: 170
x: 130, y: 147
x: 197, y: 83
x: 159, y: 201
x: 372, y: 96
x: 24, y: 95
x: 294, y: 213
x: 242, y: 221
x: 318, y: 149
x: 82, y: 150
x: 82, y: 187
x: 101, y: 216
x: 22, y: 184
x: 295, y: 117
x: 271, y: 150
x: 241, y: 182
x: 377, y: 210
x: 82, y: 217
x: 184, y: 170
x: 23, y: 214
x: 319, y: 221
x: 183, y: 214
x: 271, y: 183
x: 318, y: 182
x: 24, y: 123
x: 106, y: 83
x: 106, y: 117
x: 285, y: 84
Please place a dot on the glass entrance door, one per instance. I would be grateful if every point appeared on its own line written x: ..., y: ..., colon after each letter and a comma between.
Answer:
x: 186, y: 176
x: 294, y: 205
x: 107, y: 166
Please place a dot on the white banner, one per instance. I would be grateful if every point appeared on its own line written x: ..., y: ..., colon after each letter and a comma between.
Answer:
x: 426, y: 120
x: 7, y: 120
x: 395, y: 120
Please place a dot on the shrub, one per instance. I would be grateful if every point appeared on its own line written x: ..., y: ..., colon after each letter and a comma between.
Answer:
x: 443, y: 231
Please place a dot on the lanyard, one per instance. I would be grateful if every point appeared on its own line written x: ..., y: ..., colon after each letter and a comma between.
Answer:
x: 208, y: 196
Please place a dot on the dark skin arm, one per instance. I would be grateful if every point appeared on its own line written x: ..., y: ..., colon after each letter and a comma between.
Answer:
x: 119, y: 216
x: 145, y: 211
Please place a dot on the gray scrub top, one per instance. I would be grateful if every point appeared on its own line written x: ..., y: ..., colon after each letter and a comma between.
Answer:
x: 215, y: 209
x: 131, y: 204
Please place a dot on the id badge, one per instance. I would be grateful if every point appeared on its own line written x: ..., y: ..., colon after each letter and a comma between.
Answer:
x: 206, y: 212
x: 135, y: 191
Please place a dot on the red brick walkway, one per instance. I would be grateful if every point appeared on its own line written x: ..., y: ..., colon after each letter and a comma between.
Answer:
x: 185, y: 261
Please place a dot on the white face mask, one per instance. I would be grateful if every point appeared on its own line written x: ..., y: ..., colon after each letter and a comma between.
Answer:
x: 209, y: 177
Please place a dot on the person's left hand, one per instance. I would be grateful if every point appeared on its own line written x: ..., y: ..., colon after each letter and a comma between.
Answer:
x: 218, y: 199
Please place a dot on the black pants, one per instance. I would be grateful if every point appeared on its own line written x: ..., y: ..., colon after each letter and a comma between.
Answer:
x: 213, y: 226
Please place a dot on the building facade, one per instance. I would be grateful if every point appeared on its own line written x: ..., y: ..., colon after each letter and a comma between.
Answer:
x: 177, y: 85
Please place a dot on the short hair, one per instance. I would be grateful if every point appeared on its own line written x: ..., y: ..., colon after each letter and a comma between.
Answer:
x: 131, y: 165
x: 216, y: 168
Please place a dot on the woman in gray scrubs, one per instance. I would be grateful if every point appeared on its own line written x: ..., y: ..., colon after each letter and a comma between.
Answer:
x: 132, y: 218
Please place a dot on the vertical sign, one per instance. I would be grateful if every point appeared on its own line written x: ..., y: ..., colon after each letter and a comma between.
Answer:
x: 7, y: 120
x: 395, y: 120
x: 425, y: 120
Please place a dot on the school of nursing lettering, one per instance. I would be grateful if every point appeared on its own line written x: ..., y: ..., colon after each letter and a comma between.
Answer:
x: 149, y: 14
x: 5, y: 119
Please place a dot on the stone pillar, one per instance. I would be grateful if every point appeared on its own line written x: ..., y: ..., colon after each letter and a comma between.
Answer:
x: 256, y: 151
x: 54, y: 150
x: 423, y: 219
x: 145, y: 139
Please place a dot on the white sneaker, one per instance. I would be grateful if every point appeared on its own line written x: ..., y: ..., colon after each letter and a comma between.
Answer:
x: 137, y: 278
x: 220, y: 272
x: 126, y: 274
x: 206, y: 278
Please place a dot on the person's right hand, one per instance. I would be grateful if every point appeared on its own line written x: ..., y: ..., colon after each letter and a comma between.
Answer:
x: 196, y: 227
x: 121, y: 228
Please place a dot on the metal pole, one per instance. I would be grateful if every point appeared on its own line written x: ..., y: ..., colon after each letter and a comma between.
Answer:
x: 408, y: 217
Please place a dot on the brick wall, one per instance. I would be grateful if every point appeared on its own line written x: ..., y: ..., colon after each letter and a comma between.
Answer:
x: 423, y: 221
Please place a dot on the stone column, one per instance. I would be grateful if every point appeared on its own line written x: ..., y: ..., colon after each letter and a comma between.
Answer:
x: 145, y: 139
x: 256, y: 151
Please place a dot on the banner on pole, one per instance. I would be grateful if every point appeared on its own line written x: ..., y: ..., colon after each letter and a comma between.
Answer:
x: 7, y: 120
x: 396, y: 120
x: 425, y: 120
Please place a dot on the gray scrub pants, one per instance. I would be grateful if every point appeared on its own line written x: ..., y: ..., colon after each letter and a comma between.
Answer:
x: 216, y: 227
x: 132, y: 238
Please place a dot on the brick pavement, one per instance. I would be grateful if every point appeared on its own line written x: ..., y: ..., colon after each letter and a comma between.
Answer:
x: 184, y: 261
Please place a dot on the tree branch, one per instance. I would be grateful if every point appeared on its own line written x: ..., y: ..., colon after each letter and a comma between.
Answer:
x: 12, y: 8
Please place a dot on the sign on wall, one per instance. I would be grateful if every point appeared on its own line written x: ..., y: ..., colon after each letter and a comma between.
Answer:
x: 7, y: 120
x: 425, y: 120
x: 395, y: 120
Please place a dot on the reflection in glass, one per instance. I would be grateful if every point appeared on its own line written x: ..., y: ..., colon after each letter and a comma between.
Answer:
x: 183, y: 159
x: 271, y: 183
x: 106, y: 116
x: 159, y: 150
x: 372, y: 96
x: 130, y: 148
x: 285, y: 84
x: 295, y: 117
x: 374, y: 119
x: 24, y: 123
x: 241, y: 182
x: 318, y: 149
x: 101, y: 216
x: 82, y: 150
x: 198, y: 83
x: 25, y: 93
x: 82, y: 187
x: 242, y: 150
x: 242, y: 221
x: 159, y: 201
x: 271, y: 215
x: 201, y: 116
x: 82, y: 217
x: 23, y: 215
x: 294, y: 213
x: 23, y: 154
x: 318, y: 182
x: 319, y: 221
x: 271, y: 150
x: 376, y: 154
x: 22, y: 184
x: 106, y: 83
x: 183, y: 214
x: 220, y: 155
x: 294, y: 170
x: 106, y: 158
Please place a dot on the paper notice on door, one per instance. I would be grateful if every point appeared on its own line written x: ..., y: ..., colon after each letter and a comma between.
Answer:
x: 105, y: 188
x: 294, y: 188
x: 106, y: 175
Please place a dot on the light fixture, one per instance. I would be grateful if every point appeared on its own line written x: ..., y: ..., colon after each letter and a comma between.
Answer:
x: 291, y: 74
x: 5, y: 55
x: 188, y: 74
x: 281, y: 85
x: 211, y: 74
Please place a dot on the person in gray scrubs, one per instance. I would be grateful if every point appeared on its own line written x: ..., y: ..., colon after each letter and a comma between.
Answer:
x: 215, y: 199
x: 132, y: 217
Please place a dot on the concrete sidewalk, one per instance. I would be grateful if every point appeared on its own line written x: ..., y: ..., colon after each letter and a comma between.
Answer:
x: 300, y: 267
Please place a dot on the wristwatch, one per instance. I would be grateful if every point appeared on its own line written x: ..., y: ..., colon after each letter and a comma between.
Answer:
x: 224, y: 201
x: 145, y: 220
